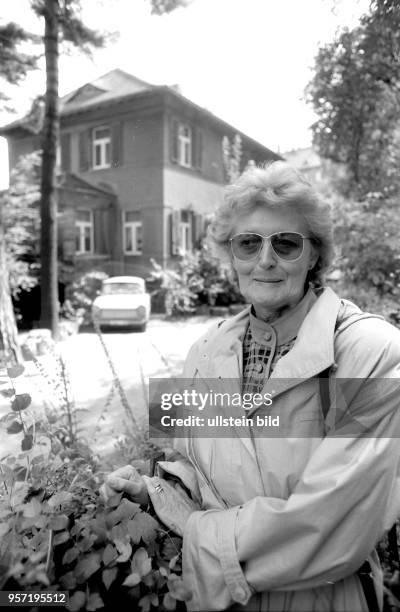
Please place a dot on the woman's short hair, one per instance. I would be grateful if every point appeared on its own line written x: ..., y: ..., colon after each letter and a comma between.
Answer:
x: 275, y: 184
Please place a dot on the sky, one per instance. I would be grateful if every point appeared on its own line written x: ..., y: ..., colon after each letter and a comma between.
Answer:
x: 246, y: 61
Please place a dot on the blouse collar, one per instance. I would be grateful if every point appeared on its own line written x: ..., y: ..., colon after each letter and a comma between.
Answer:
x: 286, y: 327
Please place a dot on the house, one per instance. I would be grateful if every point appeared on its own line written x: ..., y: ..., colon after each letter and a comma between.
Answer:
x: 141, y: 165
x: 323, y: 173
x: 307, y: 161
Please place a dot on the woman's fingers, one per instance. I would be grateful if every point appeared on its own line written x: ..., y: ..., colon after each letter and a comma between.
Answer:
x: 125, y: 480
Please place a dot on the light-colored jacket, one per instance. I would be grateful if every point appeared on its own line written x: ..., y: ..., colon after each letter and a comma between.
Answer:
x: 287, y: 522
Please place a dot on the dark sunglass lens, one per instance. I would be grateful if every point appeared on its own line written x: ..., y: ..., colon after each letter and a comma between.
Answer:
x: 245, y: 246
x: 287, y: 245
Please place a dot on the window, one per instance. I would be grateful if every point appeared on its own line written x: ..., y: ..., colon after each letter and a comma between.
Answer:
x: 184, y: 145
x: 132, y: 234
x: 84, y: 232
x: 185, y: 232
x: 101, y: 148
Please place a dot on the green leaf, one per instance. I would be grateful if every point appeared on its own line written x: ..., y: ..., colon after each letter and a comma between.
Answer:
x: 59, y: 522
x: 61, y: 497
x: 141, y: 563
x: 145, y: 603
x: 70, y: 555
x: 169, y: 602
x: 27, y: 442
x: 87, y: 566
x: 76, y: 601
x: 178, y: 590
x: 21, y: 402
x: 68, y: 581
x: 143, y: 526
x: 94, y: 602
x: 108, y: 576
x: 109, y: 554
x: 7, y: 392
x: 132, y: 580
x: 125, y: 550
x: 174, y: 561
x: 15, y: 371
x: 32, y: 508
x: 61, y: 537
x: 15, y: 427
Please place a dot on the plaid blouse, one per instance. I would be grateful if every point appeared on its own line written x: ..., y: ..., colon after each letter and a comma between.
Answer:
x: 259, y: 361
x: 264, y: 344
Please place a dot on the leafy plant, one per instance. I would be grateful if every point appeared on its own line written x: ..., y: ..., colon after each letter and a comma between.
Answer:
x: 199, y: 278
x: 81, y: 295
x: 57, y: 533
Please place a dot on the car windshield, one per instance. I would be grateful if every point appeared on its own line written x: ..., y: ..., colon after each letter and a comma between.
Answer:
x: 118, y: 288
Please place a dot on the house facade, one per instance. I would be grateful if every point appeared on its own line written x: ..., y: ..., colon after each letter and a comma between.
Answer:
x: 142, y: 167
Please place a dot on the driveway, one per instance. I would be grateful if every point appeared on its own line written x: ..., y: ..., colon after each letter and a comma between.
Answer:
x: 89, y: 365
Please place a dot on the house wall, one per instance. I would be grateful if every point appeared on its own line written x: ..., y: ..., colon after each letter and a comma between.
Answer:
x: 137, y: 182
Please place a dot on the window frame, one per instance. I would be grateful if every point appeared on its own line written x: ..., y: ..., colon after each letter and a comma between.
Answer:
x: 102, y: 143
x: 81, y: 226
x: 185, y: 143
x: 132, y: 226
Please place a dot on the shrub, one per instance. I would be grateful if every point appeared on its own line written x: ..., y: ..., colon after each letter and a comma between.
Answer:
x: 81, y: 295
x: 56, y: 533
x: 197, y: 279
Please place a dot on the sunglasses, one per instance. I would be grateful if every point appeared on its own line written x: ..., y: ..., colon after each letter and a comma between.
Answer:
x: 288, y: 246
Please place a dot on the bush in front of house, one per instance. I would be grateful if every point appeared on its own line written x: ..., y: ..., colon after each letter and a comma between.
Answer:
x: 197, y: 279
x: 80, y: 296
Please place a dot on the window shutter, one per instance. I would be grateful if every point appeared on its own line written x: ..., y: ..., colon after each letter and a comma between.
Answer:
x: 65, y: 141
x: 173, y: 140
x: 198, y: 229
x: 117, y: 145
x: 97, y: 233
x: 175, y: 232
x: 101, y: 232
x: 106, y: 226
x: 194, y: 147
x: 85, y: 150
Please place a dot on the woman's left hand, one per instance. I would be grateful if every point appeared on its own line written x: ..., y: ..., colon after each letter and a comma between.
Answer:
x: 171, y: 503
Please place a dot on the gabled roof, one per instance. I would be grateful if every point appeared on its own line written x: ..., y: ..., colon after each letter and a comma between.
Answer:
x: 115, y: 84
x: 74, y: 182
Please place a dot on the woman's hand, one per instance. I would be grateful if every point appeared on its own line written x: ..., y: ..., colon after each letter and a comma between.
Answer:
x: 170, y: 502
x: 126, y: 480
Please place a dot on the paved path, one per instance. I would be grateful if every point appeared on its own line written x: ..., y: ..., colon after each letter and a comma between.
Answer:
x: 158, y: 352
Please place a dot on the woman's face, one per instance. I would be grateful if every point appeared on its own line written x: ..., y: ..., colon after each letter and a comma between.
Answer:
x: 268, y: 282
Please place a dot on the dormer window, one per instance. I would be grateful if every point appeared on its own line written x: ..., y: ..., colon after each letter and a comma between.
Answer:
x: 101, y: 148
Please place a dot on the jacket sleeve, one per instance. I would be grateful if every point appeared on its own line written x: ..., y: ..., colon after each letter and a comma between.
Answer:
x: 347, y: 497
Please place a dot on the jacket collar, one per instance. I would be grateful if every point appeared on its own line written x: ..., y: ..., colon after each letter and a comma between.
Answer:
x: 312, y: 352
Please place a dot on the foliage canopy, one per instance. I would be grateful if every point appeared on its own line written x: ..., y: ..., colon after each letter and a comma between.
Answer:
x: 355, y: 93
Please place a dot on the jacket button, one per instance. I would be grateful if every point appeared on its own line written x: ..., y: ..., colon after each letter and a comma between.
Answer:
x: 240, y: 595
x: 267, y: 336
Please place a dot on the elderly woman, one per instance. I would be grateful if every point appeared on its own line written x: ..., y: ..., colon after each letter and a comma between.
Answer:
x: 285, y: 522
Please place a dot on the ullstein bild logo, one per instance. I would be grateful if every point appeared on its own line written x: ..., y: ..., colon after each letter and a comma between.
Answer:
x: 220, y: 421
x: 286, y: 408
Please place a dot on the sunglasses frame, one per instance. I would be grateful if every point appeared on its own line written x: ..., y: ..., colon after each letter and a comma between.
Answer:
x: 264, y: 238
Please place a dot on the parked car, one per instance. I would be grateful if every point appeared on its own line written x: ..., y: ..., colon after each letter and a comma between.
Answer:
x: 123, y: 302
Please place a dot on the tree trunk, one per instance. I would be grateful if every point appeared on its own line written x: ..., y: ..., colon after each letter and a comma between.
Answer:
x: 48, y: 204
x: 10, y: 352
